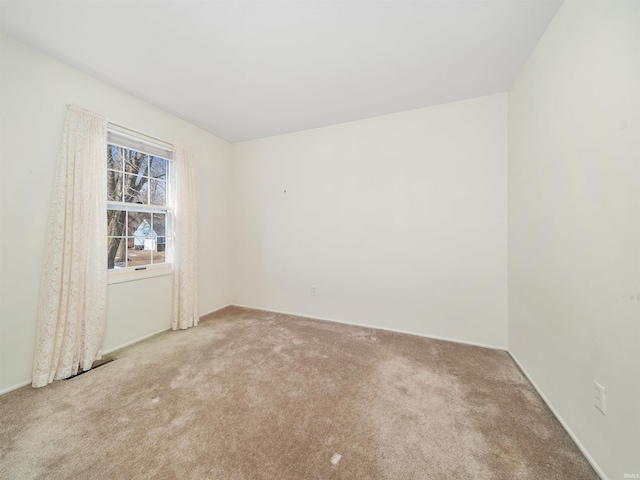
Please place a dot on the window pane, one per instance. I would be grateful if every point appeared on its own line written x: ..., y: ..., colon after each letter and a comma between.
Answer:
x: 158, y: 168
x: 162, y: 246
x: 116, y: 221
x: 158, y: 257
x: 158, y: 192
x: 136, y: 257
x: 135, y: 162
x: 139, y: 226
x: 116, y: 252
x: 136, y: 189
x: 159, y: 224
x: 114, y: 160
x: 114, y: 186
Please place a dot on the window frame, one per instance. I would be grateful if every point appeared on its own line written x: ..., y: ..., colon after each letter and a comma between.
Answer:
x: 129, y: 139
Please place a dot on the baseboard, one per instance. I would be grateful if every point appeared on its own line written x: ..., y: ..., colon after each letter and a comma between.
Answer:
x: 15, y: 387
x: 120, y: 347
x: 111, y: 350
x: 573, y: 436
x: 324, y: 319
x: 202, y: 315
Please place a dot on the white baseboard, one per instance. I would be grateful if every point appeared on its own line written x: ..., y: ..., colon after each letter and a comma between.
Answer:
x: 119, y: 347
x: 573, y: 436
x: 111, y: 350
x: 202, y: 315
x: 15, y: 387
x: 155, y: 333
x: 433, y: 337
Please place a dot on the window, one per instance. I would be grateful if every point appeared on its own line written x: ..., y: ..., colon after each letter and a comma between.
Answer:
x: 139, y: 214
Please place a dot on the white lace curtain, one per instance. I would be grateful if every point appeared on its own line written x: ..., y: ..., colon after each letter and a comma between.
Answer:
x: 73, y: 291
x: 185, y: 274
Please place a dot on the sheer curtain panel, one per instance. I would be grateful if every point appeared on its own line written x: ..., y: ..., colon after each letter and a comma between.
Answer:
x: 73, y: 291
x: 185, y: 274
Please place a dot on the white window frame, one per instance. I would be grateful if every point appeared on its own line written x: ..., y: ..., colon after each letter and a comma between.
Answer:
x: 139, y: 142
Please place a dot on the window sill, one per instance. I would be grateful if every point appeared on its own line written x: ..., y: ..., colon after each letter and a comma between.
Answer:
x: 130, y: 274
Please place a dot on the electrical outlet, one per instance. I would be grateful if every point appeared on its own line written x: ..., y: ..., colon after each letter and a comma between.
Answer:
x: 601, y: 399
x: 313, y: 290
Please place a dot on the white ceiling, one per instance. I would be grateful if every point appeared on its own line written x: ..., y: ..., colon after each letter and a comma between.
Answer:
x: 245, y: 70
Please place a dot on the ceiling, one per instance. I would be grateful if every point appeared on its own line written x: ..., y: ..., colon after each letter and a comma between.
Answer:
x: 243, y: 70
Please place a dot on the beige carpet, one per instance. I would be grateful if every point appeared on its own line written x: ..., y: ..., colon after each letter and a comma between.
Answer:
x: 255, y: 395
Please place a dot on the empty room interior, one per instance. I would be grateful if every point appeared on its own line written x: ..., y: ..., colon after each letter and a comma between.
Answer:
x: 376, y: 240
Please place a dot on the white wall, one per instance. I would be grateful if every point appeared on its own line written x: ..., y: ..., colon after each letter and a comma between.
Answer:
x: 398, y: 221
x: 35, y: 90
x: 574, y: 225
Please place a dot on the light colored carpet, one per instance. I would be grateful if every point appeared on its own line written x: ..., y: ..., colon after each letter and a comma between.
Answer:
x: 257, y: 395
